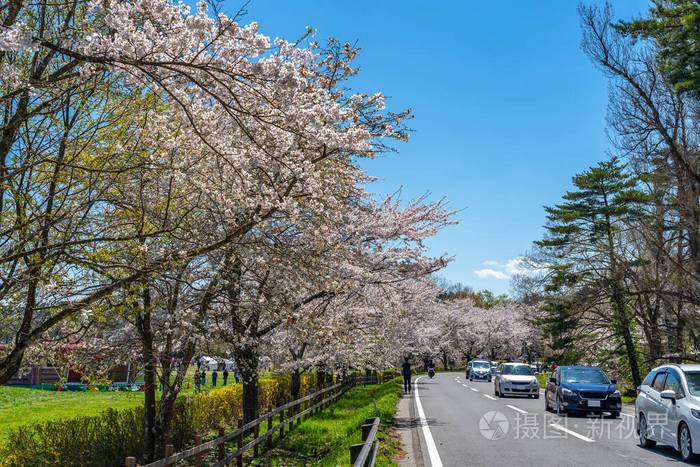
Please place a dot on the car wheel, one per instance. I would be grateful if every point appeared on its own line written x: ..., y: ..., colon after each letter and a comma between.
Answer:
x: 536, y: 396
x: 643, y: 440
x: 686, y: 444
x: 614, y: 414
x: 557, y: 407
x: 546, y: 403
x: 489, y: 380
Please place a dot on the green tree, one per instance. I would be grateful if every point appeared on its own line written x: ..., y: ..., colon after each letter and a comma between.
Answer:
x: 674, y: 25
x: 585, y: 238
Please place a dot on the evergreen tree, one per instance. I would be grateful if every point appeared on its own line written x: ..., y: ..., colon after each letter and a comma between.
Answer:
x: 585, y: 241
x: 674, y: 25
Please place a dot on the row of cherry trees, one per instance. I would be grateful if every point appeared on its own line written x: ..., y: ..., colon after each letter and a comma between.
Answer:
x: 171, y: 177
x: 458, y: 330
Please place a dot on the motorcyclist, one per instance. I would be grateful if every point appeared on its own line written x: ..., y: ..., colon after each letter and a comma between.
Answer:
x: 431, y: 368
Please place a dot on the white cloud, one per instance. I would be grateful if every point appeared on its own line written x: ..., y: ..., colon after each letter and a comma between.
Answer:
x: 491, y: 273
x: 503, y: 271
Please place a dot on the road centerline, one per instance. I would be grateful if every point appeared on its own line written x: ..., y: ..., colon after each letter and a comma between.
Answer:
x: 490, y: 397
x: 572, y: 433
x: 517, y: 409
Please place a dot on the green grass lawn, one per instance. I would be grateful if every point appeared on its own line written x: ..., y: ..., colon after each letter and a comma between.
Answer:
x: 21, y: 406
x: 325, y: 438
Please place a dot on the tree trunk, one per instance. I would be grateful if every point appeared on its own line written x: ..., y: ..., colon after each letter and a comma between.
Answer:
x: 624, y: 330
x: 247, y: 359
x: 143, y: 325
x: 296, y: 384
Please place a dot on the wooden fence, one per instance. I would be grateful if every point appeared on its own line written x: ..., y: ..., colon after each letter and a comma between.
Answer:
x: 286, y: 416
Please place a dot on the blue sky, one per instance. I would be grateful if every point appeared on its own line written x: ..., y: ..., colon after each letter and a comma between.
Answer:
x: 507, y: 109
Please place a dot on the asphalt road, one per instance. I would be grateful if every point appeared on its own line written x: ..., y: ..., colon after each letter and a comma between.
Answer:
x: 464, y: 423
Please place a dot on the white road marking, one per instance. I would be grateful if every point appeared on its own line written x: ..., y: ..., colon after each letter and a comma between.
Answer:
x: 517, y: 409
x: 572, y: 433
x: 429, y: 442
x: 465, y: 385
x: 474, y: 389
x: 490, y: 397
x: 627, y: 414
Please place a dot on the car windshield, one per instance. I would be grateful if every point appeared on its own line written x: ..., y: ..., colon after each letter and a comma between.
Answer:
x: 584, y: 375
x: 693, y: 382
x: 517, y: 370
x: 480, y: 365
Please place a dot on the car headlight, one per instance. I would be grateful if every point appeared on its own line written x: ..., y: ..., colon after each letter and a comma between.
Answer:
x: 615, y: 394
x: 695, y: 412
x: 533, y: 383
x: 567, y: 392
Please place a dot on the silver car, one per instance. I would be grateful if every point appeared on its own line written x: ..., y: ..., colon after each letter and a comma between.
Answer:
x: 667, y: 409
x: 515, y: 379
x: 479, y: 370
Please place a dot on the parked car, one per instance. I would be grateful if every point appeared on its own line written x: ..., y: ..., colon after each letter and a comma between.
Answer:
x: 583, y: 389
x: 667, y: 409
x: 479, y: 370
x: 515, y: 379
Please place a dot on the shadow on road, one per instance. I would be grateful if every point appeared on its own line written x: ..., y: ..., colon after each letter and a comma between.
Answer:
x: 403, y: 422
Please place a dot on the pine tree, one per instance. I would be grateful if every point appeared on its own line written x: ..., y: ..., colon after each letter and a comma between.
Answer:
x: 674, y: 25
x: 584, y: 238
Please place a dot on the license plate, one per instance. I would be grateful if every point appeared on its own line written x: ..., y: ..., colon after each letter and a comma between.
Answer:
x: 593, y: 403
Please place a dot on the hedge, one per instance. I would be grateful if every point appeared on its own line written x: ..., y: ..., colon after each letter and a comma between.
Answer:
x: 108, y: 438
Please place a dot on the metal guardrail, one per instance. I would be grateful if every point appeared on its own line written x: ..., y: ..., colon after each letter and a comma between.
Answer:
x: 365, y: 453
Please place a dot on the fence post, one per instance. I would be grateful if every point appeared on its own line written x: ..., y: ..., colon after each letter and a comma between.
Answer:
x: 257, y: 435
x: 198, y: 457
x: 269, y: 427
x: 281, y: 424
x: 239, y: 440
x: 169, y: 450
x: 222, y: 446
x: 130, y: 462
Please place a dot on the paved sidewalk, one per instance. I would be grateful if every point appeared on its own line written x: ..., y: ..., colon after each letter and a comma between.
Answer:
x: 407, y: 425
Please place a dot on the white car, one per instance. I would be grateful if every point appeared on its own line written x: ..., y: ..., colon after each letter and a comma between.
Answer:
x: 515, y: 379
x: 668, y: 409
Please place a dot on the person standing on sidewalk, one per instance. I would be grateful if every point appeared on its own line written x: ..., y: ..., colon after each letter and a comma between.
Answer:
x: 406, y: 372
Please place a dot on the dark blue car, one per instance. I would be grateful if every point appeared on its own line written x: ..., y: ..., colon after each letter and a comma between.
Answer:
x: 582, y: 389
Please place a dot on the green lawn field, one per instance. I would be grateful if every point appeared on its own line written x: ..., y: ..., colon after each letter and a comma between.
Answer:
x: 20, y: 406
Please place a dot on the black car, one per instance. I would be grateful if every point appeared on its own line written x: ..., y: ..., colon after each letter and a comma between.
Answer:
x: 583, y: 389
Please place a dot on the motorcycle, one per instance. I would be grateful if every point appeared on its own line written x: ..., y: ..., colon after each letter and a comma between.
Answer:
x: 431, y: 372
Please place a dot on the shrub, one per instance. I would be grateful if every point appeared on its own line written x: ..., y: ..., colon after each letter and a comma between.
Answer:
x: 102, y: 440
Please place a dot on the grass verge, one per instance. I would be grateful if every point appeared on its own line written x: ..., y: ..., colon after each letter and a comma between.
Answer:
x: 325, y: 438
